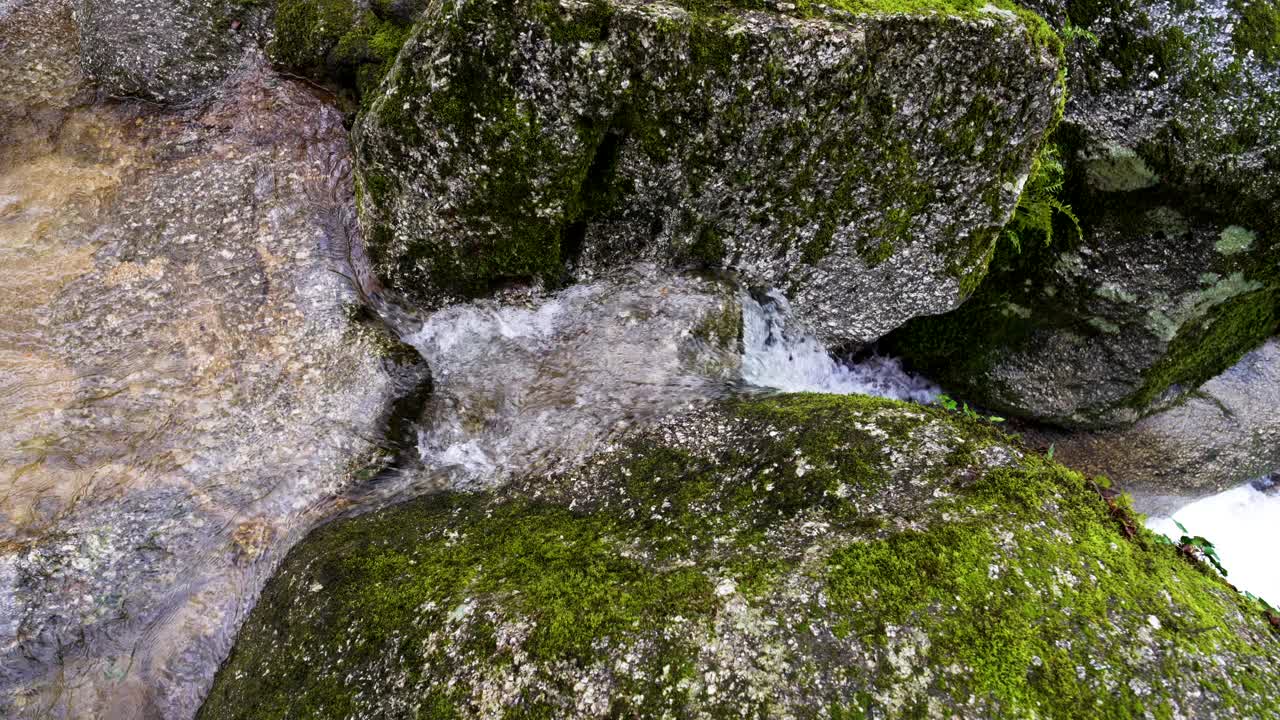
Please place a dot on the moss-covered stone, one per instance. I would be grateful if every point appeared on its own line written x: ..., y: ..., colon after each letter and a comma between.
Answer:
x: 809, y: 149
x: 344, y: 42
x: 1101, y: 339
x: 1173, y: 272
x: 795, y: 556
x: 1257, y: 31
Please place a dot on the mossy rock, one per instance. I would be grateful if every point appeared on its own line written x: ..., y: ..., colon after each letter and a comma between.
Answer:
x: 1100, y: 332
x: 347, y: 43
x: 1169, y: 139
x: 799, y: 556
x: 863, y: 149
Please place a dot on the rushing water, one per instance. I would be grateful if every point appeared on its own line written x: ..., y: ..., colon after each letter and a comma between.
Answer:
x: 524, y: 388
x: 1244, y: 525
x: 519, y: 389
x: 780, y: 356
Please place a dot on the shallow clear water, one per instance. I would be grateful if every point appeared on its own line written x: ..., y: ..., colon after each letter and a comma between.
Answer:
x: 1244, y: 525
x: 46, y: 200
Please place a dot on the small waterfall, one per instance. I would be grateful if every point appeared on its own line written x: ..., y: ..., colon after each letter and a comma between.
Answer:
x: 529, y: 388
x: 792, y: 360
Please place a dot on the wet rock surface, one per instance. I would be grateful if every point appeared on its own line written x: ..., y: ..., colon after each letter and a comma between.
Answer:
x: 1173, y: 167
x: 166, y: 51
x: 1222, y: 435
x: 189, y: 384
x: 793, y: 556
x: 861, y: 163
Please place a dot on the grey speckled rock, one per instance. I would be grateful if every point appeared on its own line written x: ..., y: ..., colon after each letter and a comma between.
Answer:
x: 1225, y: 433
x: 816, y: 557
x: 1171, y: 142
x: 40, y: 75
x: 863, y: 164
x: 189, y: 386
x: 168, y: 51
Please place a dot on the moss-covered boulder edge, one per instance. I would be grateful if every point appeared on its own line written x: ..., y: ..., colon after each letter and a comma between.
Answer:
x: 347, y: 44
x: 1171, y: 162
x: 797, y: 556
x: 857, y: 149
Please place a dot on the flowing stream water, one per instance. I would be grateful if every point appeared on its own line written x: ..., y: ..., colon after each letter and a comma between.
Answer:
x: 527, y: 388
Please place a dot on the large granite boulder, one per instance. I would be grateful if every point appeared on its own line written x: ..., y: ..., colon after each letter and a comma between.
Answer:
x: 189, y: 381
x: 801, y: 556
x: 862, y: 161
x: 1171, y: 147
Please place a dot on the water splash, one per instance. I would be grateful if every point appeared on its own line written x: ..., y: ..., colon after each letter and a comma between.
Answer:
x: 527, y: 389
x: 522, y: 389
x: 792, y: 360
x: 1244, y: 525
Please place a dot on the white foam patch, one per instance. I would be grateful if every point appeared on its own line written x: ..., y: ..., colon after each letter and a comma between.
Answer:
x: 792, y: 360
x: 1244, y: 526
x: 528, y: 389
x: 523, y: 389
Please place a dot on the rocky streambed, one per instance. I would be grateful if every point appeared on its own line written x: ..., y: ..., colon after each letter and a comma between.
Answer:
x: 578, y: 359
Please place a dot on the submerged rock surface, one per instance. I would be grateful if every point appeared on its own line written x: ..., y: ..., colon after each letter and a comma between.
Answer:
x: 861, y: 162
x: 791, y: 556
x: 188, y: 382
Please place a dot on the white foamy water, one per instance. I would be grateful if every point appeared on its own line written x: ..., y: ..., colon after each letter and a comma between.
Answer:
x: 792, y: 360
x: 524, y: 389
x: 521, y: 389
x: 1244, y: 526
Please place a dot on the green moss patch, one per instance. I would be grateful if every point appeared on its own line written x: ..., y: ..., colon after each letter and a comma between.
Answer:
x: 1258, y: 29
x: 339, y: 41
x: 1213, y: 343
x: 764, y: 558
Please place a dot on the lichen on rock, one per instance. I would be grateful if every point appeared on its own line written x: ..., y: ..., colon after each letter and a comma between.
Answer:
x: 789, y: 556
x: 864, y: 150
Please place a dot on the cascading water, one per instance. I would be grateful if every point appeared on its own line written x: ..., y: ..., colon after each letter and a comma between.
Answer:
x: 792, y: 360
x: 524, y: 389
x: 520, y: 389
